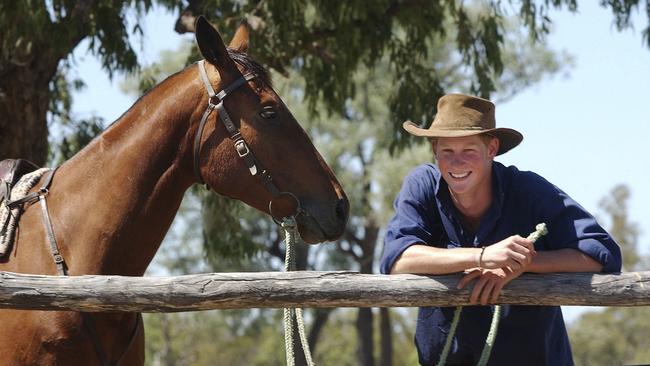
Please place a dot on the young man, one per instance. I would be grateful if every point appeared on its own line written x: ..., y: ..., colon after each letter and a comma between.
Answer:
x: 470, y: 213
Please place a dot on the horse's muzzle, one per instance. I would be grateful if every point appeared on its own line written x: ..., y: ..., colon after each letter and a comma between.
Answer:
x: 319, y: 224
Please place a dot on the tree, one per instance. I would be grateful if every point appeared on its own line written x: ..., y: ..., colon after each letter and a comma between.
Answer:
x: 615, y: 335
x: 33, y: 84
x: 625, y: 233
x: 328, y: 43
x: 325, y: 42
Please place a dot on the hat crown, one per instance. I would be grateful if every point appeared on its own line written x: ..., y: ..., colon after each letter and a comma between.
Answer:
x: 464, y: 112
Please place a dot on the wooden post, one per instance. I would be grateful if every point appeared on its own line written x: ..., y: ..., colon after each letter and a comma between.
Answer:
x: 306, y: 289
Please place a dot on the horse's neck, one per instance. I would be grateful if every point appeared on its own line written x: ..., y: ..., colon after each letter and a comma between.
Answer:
x: 117, y: 198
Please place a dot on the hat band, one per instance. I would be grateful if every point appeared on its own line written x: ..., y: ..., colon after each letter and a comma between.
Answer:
x: 456, y: 128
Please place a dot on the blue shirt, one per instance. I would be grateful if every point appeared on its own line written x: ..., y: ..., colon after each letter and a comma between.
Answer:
x: 530, y: 335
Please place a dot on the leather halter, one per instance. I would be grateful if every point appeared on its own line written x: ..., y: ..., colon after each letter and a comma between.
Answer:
x: 256, y: 169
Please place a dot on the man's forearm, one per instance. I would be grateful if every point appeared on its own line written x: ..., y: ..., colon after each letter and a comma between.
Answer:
x: 424, y: 259
x: 563, y: 260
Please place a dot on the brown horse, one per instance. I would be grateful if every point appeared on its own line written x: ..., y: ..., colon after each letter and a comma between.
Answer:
x: 112, y: 203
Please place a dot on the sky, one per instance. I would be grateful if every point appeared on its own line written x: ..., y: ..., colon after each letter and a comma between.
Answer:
x: 585, y: 132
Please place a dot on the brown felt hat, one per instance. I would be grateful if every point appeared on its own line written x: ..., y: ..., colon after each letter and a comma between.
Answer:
x: 463, y: 115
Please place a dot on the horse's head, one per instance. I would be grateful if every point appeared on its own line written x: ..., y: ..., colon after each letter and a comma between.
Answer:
x: 252, y: 148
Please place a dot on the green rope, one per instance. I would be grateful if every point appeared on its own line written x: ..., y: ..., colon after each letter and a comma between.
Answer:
x: 540, y: 230
x: 450, y: 337
x: 290, y: 239
x: 492, y: 335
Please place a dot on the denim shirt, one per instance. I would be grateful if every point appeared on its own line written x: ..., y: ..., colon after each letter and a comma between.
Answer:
x: 531, y: 335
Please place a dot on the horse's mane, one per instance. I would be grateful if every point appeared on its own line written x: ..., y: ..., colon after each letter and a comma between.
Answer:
x: 245, y: 61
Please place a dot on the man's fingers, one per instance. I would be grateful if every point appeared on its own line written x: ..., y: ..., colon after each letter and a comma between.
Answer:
x: 476, y: 291
x: 525, y: 243
x: 520, y: 258
x: 513, y: 264
x: 521, y: 249
x: 496, y: 291
x: 486, y: 292
x: 468, y: 278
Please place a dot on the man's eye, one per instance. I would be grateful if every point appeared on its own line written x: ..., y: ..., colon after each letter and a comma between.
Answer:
x: 267, y: 112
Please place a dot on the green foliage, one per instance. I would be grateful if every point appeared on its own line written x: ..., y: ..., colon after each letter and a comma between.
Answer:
x: 625, y: 233
x: 28, y: 27
x: 169, y: 62
x: 233, y: 233
x: 226, y: 337
x: 256, y: 337
x: 615, y: 336
x: 70, y: 134
x: 623, y: 9
x: 77, y: 136
x: 329, y: 43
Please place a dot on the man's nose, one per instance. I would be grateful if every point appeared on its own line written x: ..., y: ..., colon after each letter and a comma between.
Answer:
x: 457, y: 160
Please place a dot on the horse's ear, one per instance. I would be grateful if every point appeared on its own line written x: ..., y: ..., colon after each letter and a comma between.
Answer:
x: 240, y: 39
x: 210, y: 43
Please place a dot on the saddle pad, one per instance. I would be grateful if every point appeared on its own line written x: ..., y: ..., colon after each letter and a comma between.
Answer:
x: 9, y: 218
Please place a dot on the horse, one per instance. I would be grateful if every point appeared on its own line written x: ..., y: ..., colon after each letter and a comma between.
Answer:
x: 111, y: 204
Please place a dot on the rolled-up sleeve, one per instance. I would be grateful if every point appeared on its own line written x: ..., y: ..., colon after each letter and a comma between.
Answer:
x: 416, y: 219
x: 571, y: 226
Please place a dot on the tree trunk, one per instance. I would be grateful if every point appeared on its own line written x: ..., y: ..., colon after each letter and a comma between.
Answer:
x: 24, y: 102
x: 298, y: 351
x: 321, y: 316
x: 364, y: 324
x: 168, y: 354
x: 386, y: 338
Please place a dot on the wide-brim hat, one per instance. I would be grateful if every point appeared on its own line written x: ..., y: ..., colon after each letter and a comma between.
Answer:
x: 463, y: 115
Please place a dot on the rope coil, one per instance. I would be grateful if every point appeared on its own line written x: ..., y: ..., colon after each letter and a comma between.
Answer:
x: 291, y: 236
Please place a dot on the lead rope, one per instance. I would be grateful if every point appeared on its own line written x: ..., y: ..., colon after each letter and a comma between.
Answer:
x: 290, y: 238
x: 540, y: 230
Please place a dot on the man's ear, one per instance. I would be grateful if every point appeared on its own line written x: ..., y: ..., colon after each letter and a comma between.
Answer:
x: 493, y: 147
x: 241, y: 38
x: 210, y: 43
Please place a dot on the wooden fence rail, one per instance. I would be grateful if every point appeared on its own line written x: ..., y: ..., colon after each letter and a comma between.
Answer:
x: 305, y: 289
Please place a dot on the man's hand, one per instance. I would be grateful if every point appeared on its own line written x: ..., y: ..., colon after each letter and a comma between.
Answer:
x: 514, y: 252
x: 489, y: 284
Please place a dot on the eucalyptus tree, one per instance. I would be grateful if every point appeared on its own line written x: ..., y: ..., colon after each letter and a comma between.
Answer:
x: 326, y: 42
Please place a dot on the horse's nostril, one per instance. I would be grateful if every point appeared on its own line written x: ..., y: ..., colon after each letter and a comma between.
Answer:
x: 341, y: 208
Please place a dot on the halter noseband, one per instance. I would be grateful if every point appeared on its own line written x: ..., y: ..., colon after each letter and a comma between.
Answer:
x: 215, y: 101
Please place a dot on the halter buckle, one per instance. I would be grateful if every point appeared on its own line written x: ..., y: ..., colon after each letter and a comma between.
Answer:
x: 242, y: 148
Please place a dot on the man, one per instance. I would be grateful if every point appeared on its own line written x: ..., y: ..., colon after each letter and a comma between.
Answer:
x: 470, y: 213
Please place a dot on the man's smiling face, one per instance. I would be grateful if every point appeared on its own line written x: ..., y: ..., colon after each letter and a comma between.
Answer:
x: 465, y: 162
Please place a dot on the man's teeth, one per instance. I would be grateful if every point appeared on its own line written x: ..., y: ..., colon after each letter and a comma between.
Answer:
x: 459, y: 176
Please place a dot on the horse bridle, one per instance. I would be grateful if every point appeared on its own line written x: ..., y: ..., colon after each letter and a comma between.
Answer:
x: 215, y: 101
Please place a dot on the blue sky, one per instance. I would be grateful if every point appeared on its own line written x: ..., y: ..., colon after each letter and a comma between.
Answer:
x: 585, y: 132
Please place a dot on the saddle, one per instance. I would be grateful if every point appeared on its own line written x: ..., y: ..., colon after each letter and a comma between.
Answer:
x: 11, y: 170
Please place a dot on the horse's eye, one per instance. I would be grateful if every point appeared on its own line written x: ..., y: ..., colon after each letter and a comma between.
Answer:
x: 267, y: 112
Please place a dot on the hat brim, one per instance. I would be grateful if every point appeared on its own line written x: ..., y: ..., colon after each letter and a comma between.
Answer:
x: 508, y: 137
